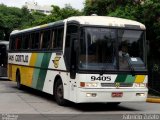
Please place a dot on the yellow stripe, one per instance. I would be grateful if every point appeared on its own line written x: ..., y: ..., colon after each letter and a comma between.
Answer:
x: 33, y: 59
x: 27, y: 72
x: 139, y: 78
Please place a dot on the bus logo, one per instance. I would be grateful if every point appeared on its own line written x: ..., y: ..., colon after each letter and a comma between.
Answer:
x: 117, y: 85
x: 56, y: 61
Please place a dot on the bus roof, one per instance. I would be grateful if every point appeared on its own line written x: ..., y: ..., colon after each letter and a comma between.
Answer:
x: 92, y: 20
x: 106, y: 21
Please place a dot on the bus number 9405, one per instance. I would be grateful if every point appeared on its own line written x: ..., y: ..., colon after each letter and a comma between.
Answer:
x: 101, y: 78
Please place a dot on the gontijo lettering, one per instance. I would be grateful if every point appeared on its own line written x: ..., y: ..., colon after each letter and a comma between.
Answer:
x: 21, y: 58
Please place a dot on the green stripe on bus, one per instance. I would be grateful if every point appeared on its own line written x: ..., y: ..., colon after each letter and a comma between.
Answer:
x: 39, y: 59
x: 43, y: 72
x: 130, y: 79
x: 121, y: 78
x: 36, y: 70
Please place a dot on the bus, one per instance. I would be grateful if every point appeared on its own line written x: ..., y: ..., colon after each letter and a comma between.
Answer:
x: 4, y: 46
x: 82, y: 59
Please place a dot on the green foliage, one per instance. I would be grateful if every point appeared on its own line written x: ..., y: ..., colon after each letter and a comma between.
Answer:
x: 10, y: 18
x: 104, y: 7
x: 68, y: 11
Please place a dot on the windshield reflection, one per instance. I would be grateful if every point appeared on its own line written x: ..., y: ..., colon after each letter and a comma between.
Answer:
x: 100, y: 46
x: 130, y: 46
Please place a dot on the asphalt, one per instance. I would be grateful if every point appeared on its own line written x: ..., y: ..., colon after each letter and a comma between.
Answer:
x: 150, y: 99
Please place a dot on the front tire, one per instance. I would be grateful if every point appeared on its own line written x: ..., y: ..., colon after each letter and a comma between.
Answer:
x: 59, y: 93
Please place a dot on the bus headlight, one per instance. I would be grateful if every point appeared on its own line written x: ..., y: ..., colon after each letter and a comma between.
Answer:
x: 88, y: 84
x: 139, y: 85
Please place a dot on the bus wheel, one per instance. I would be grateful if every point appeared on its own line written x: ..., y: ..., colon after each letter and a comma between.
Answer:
x: 59, y: 93
x: 18, y: 80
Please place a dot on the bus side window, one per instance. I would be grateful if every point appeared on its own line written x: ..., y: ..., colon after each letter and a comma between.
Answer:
x: 18, y: 42
x: 58, y: 42
x: 46, y: 35
x: 35, y: 41
x: 25, y: 42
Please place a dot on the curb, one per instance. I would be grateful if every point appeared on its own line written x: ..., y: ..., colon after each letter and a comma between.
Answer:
x: 4, y: 79
x: 153, y: 100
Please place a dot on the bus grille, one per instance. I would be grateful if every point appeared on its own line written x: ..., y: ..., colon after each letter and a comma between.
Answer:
x: 115, y: 85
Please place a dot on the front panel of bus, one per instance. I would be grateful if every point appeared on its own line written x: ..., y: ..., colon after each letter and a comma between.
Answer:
x: 111, y: 65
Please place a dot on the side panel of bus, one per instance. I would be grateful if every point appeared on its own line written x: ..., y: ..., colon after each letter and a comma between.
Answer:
x: 38, y: 70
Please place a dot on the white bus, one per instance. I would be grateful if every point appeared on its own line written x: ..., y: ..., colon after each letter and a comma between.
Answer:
x: 83, y: 59
x: 4, y: 46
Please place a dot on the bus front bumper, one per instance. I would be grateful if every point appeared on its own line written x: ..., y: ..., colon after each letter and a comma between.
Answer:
x: 110, y: 95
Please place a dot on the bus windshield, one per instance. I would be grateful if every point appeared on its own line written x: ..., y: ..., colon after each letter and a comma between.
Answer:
x: 99, y: 48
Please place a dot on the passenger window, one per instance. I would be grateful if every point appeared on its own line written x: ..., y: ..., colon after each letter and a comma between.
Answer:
x: 35, y: 40
x: 58, y: 42
x: 18, y: 42
x: 46, y: 35
x: 25, y: 43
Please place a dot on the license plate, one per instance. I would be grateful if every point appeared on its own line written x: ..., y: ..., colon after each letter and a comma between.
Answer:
x: 117, y: 94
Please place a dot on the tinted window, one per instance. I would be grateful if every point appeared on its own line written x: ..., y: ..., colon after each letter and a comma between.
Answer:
x: 130, y: 46
x: 98, y: 49
x: 18, y: 41
x: 35, y: 40
x: 58, y: 42
x: 70, y: 30
x: 26, y: 39
x: 46, y: 39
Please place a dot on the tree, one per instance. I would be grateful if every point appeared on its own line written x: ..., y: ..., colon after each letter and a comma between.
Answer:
x: 104, y: 7
x: 10, y: 19
x: 58, y: 13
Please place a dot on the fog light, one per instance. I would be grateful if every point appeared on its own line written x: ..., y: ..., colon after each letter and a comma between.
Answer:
x: 140, y: 94
x: 91, y: 94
